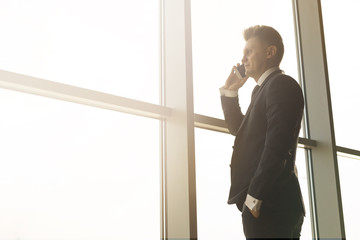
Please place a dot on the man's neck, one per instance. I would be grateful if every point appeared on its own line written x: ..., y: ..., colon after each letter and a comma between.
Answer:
x: 266, y: 68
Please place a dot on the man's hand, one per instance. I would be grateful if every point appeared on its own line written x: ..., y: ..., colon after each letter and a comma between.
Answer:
x: 256, y: 214
x: 234, y: 82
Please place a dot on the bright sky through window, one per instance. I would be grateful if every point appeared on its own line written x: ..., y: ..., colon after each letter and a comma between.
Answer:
x: 99, y: 45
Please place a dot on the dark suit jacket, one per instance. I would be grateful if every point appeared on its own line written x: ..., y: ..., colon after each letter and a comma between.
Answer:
x: 263, y: 160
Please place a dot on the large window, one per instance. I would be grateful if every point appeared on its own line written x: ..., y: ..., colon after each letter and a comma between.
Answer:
x: 216, y: 219
x: 218, y: 45
x: 341, y: 40
x: 108, y: 46
x: 350, y: 197
x: 69, y: 171
x: 77, y: 170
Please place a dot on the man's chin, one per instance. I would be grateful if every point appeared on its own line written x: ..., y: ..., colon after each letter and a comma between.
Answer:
x: 248, y: 73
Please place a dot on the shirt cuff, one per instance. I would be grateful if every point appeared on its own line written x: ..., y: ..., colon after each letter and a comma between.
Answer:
x: 228, y: 93
x: 253, y: 203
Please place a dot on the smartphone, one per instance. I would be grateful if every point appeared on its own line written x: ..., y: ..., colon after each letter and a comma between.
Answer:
x: 241, y: 70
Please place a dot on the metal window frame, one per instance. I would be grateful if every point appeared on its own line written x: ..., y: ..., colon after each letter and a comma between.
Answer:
x: 326, y: 204
x: 46, y: 88
x: 179, y: 190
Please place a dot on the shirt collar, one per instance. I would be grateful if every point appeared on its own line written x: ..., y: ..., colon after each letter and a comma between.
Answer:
x: 266, y: 74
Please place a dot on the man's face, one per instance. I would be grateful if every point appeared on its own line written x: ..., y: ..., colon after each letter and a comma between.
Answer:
x: 255, y: 58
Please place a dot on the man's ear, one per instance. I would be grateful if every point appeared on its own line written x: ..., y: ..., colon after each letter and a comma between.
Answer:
x: 271, y: 51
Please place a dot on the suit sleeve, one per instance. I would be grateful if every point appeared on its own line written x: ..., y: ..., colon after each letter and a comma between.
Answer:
x: 284, y: 109
x: 232, y: 113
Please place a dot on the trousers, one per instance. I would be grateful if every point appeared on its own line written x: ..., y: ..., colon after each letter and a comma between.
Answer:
x: 273, y: 223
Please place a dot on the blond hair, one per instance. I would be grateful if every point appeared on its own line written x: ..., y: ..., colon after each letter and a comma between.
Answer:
x: 267, y: 35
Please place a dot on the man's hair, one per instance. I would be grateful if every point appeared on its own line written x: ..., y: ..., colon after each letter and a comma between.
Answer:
x: 269, y: 36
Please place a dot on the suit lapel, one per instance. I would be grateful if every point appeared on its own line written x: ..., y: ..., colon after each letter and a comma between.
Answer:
x: 271, y: 76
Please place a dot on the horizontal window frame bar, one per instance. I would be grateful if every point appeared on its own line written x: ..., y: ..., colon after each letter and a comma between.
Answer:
x: 349, y: 151
x: 46, y: 88
x: 219, y: 125
x: 65, y: 92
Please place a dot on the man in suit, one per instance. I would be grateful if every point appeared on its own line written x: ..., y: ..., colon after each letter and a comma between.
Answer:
x: 264, y: 183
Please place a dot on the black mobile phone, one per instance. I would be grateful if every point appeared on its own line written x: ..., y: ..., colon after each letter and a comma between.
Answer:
x: 241, y: 70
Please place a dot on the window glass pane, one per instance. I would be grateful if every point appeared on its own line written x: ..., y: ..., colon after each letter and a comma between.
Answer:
x: 349, y: 167
x: 342, y: 39
x: 303, y: 180
x: 218, y: 44
x: 217, y: 219
x: 109, y: 45
x: 72, y: 172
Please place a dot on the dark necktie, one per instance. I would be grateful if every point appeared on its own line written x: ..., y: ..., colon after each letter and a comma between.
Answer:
x: 255, y: 91
x: 253, y: 95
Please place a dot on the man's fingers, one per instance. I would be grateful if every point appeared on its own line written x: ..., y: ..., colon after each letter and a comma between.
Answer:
x: 237, y: 73
x: 235, y: 80
x: 234, y: 70
x: 242, y: 81
x: 232, y: 73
